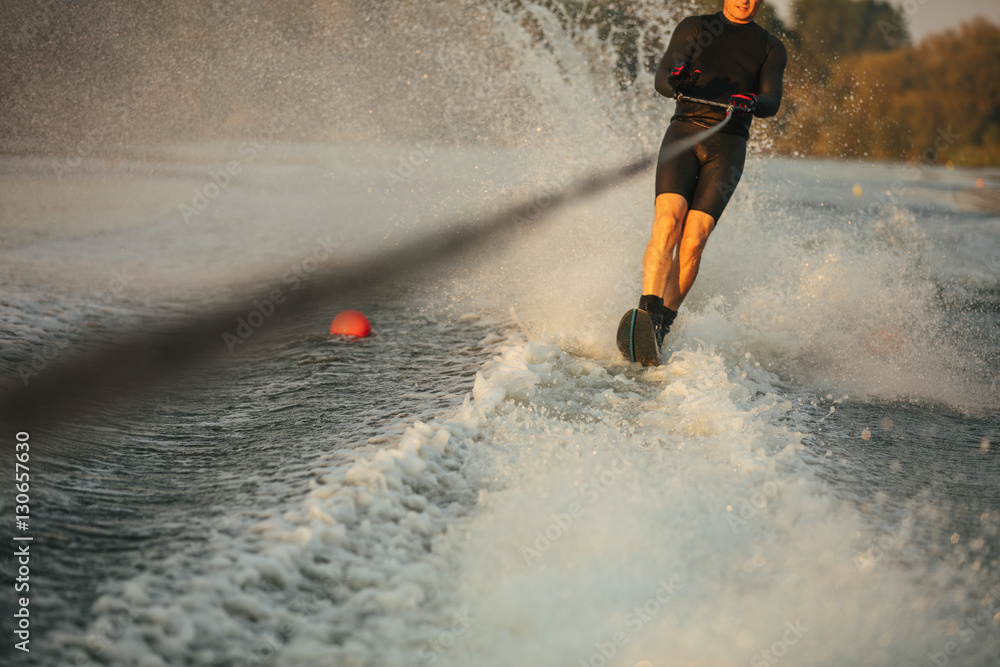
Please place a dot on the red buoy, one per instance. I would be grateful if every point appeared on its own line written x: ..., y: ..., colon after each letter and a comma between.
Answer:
x: 350, y: 323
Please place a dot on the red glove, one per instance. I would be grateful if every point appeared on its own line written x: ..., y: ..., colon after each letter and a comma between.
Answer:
x: 681, y: 79
x: 744, y: 103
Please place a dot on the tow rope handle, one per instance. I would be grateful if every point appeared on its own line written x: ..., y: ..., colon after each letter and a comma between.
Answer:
x: 712, y: 103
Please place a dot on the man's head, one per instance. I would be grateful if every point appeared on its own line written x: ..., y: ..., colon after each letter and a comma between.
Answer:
x: 741, y: 11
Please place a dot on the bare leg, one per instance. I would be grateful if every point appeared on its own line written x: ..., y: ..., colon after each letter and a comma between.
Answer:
x: 668, y: 225
x: 696, y: 229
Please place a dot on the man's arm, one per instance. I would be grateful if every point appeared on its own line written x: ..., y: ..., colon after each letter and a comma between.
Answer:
x: 680, y: 50
x: 771, y: 73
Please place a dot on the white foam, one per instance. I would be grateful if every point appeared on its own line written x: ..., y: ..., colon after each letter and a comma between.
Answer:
x: 678, y: 479
x: 684, y: 484
x: 528, y: 526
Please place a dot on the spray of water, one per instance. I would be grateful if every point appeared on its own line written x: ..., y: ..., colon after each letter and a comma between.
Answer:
x: 572, y: 511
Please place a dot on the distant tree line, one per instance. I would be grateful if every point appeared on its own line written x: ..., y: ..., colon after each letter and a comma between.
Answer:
x: 857, y: 86
x: 148, y: 71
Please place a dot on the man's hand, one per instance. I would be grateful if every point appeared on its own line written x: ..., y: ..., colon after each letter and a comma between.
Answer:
x: 682, y: 79
x: 744, y: 103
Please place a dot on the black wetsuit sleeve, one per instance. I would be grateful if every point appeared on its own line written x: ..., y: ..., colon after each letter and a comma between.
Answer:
x: 769, y: 83
x: 680, y: 50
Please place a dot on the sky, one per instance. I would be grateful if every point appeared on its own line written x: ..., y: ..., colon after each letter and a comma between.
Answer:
x: 930, y: 16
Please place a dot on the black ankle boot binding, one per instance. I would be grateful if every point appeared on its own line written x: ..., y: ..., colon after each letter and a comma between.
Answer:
x: 668, y: 317
x: 661, y: 316
x: 651, y: 303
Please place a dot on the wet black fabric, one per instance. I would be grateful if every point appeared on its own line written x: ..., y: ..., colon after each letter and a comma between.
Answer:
x: 733, y: 58
x: 705, y: 174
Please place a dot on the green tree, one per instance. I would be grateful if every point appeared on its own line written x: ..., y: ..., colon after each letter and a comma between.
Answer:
x: 827, y: 30
x: 937, y: 101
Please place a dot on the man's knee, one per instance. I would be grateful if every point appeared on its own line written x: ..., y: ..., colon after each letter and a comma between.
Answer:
x: 692, y: 245
x: 697, y: 228
x: 672, y: 206
x: 669, y: 221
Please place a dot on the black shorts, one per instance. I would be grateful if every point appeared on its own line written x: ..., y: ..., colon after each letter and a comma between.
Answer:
x: 705, y: 174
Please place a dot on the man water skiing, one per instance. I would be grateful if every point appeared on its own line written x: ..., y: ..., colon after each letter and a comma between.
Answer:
x: 725, y: 58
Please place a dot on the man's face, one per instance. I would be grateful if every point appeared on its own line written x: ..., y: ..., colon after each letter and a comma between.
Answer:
x: 741, y: 11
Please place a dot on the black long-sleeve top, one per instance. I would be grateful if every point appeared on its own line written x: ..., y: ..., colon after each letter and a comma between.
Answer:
x: 733, y: 58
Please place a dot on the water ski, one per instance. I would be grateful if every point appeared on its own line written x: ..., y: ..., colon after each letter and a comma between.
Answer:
x: 636, y: 339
